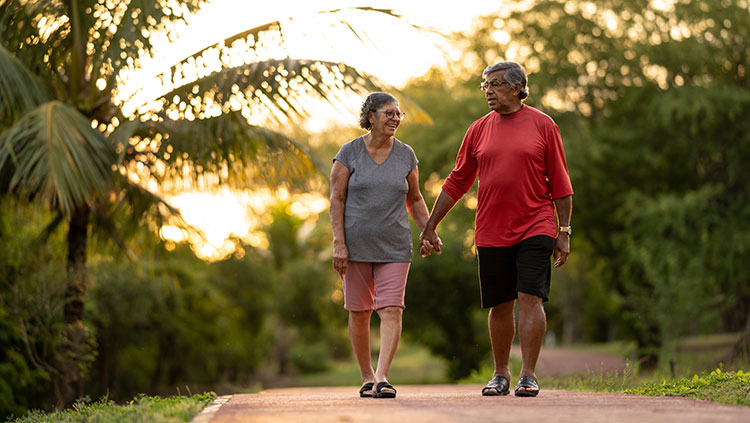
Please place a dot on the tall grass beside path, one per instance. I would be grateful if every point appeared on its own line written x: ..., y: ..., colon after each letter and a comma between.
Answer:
x: 142, y: 409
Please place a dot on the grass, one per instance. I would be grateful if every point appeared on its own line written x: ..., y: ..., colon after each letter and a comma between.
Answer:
x: 718, y: 386
x: 142, y: 409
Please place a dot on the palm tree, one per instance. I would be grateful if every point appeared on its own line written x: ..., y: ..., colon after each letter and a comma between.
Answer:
x: 72, y: 137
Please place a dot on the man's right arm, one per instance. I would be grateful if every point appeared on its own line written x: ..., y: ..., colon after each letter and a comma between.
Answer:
x: 443, y: 205
x: 462, y: 177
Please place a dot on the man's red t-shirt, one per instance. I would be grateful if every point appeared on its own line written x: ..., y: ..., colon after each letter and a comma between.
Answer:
x: 522, y: 168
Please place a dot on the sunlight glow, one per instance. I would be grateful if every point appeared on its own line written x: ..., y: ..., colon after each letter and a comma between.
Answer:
x: 227, y: 219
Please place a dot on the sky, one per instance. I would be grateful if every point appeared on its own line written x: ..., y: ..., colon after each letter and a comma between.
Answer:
x: 400, y: 53
x: 397, y: 54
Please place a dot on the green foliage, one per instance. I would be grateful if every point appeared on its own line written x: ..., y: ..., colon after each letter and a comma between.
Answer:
x: 717, y: 386
x: 31, y: 292
x: 142, y: 408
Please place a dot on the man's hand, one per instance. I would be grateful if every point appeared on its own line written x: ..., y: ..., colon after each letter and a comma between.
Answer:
x: 562, y: 249
x: 429, y: 242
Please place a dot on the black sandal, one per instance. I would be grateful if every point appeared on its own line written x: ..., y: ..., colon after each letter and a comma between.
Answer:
x: 528, y: 382
x: 366, y: 387
x: 498, y: 385
x: 380, y: 393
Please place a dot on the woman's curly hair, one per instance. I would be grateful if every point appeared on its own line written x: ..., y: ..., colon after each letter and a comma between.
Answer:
x: 372, y: 103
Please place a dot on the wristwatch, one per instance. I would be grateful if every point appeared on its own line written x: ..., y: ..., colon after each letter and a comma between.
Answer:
x: 567, y: 229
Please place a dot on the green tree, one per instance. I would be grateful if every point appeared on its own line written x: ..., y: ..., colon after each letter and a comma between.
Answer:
x: 69, y: 142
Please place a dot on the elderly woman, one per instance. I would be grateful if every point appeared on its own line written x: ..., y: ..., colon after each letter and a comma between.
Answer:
x: 374, y: 182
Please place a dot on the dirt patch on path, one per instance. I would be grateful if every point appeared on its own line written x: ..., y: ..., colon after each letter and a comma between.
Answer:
x: 461, y: 404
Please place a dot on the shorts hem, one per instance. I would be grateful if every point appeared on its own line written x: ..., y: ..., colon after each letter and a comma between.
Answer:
x: 544, y: 298
x: 495, y: 304
x: 363, y: 309
x: 402, y: 307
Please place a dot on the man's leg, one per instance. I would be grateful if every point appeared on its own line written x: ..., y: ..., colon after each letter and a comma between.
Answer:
x: 532, y: 324
x: 359, y: 335
x: 502, y: 330
x: 390, y: 334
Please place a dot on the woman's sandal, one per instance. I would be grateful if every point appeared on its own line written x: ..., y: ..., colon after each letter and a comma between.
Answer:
x: 363, y: 390
x: 380, y: 393
x: 528, y: 382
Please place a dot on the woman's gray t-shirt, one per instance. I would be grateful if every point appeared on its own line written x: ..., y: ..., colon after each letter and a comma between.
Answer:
x: 376, y: 224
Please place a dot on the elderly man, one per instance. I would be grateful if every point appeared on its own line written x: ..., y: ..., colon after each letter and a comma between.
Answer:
x: 523, y: 218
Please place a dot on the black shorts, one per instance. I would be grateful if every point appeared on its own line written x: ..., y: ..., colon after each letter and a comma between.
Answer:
x: 524, y: 267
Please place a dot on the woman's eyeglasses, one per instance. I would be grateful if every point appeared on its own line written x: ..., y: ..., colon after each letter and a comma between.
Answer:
x: 390, y: 114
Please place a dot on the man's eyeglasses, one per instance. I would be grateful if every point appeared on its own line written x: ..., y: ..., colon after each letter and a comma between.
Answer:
x: 390, y: 114
x: 492, y: 85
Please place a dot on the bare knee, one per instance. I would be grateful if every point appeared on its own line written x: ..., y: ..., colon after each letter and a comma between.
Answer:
x: 390, y: 313
x: 502, y: 310
x: 529, y: 300
x: 360, y: 317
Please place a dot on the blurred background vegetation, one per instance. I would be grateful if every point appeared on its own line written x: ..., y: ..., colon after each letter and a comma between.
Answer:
x: 652, y: 99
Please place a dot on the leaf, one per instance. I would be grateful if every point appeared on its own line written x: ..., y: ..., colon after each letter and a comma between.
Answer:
x: 19, y: 89
x: 53, y: 154
x: 226, y: 149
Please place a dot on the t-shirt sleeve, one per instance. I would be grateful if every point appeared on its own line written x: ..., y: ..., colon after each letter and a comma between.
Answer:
x: 412, y: 158
x: 557, y: 168
x: 462, y: 176
x: 344, y: 156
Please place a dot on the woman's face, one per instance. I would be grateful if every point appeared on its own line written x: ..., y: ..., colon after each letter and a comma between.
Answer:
x: 386, y: 119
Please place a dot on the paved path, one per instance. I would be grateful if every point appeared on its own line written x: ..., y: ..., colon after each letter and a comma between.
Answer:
x: 460, y: 404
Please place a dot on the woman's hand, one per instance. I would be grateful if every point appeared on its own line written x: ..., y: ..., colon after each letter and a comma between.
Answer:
x: 430, y: 242
x: 340, y: 258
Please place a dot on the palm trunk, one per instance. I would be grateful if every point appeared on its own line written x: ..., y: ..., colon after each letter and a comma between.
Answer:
x: 73, y: 349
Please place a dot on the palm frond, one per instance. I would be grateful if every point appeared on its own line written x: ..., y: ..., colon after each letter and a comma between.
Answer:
x: 251, y: 44
x: 220, y: 150
x: 20, y: 90
x: 53, y: 154
x: 123, y: 215
x: 273, y: 89
x: 36, y: 33
x: 134, y: 24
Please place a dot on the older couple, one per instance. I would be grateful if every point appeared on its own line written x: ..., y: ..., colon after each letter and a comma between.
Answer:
x: 523, y: 218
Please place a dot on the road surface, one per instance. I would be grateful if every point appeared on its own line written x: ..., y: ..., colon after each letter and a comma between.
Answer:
x: 459, y: 404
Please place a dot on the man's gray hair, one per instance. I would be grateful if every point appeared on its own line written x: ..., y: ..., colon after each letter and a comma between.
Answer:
x: 514, y: 75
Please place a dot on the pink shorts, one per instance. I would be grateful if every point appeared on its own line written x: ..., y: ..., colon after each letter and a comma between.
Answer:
x: 372, y: 286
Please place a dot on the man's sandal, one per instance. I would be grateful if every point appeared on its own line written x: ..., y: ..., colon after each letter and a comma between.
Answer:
x: 380, y: 393
x: 498, y: 385
x: 363, y: 391
x: 528, y: 382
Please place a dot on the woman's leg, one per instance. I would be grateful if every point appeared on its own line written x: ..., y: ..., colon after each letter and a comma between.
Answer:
x: 359, y: 335
x: 390, y: 334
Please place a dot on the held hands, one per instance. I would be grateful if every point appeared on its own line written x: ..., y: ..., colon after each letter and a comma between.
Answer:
x: 430, y: 242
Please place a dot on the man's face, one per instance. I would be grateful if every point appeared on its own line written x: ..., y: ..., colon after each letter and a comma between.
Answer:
x: 500, y: 95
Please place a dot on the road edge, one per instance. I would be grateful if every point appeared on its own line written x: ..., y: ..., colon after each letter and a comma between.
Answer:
x: 207, y: 413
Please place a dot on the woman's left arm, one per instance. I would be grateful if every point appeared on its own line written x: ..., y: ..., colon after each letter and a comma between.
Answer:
x: 414, y: 201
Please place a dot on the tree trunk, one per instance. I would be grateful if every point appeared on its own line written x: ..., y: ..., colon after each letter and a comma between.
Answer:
x: 741, y: 349
x: 649, y: 344
x: 74, y: 354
